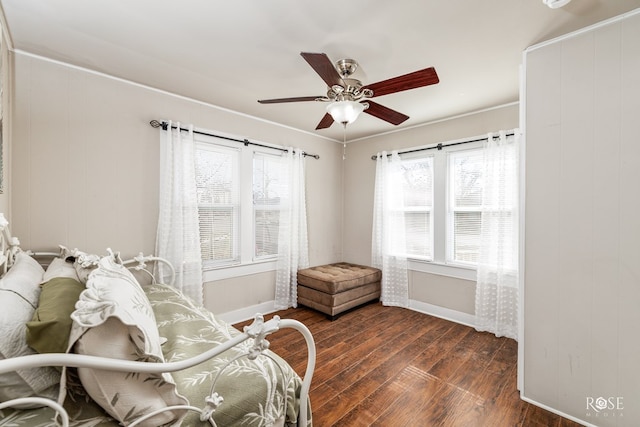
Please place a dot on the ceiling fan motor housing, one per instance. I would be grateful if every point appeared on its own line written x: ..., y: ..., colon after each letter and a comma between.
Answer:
x: 351, y: 91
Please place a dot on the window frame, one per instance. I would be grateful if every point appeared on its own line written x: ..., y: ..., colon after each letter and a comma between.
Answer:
x: 212, y: 147
x: 247, y: 262
x: 452, y: 209
x: 261, y: 207
x: 419, y: 155
x: 440, y: 264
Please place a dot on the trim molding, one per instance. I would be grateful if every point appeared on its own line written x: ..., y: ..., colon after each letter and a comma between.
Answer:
x: 583, y: 30
x: 6, y: 33
x: 247, y: 313
x: 443, y: 312
x: 268, y: 307
x: 239, y: 270
x: 432, y: 122
x: 440, y: 269
x: 555, y: 411
x: 161, y: 91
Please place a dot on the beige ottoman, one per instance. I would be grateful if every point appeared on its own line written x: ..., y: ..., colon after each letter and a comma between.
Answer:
x: 335, y: 288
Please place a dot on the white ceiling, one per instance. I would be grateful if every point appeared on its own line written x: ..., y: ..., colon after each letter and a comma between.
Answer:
x: 232, y: 53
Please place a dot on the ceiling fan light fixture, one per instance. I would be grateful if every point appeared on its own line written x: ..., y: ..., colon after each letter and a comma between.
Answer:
x: 555, y: 4
x: 345, y: 112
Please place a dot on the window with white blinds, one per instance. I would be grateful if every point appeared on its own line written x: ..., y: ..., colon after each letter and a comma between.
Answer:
x: 218, y: 186
x: 418, y: 206
x: 464, y: 206
x: 443, y: 204
x: 267, y: 193
x: 239, y: 193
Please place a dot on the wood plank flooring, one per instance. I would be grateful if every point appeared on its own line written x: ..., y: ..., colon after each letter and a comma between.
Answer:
x: 388, y: 366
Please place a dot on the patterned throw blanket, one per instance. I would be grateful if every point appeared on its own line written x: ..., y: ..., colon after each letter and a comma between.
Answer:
x: 252, y: 389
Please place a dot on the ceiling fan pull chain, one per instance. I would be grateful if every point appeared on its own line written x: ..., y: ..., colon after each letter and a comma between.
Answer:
x: 344, y: 141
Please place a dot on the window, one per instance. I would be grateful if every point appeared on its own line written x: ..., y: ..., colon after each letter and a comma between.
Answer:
x: 267, y: 186
x: 443, y: 204
x: 464, y: 206
x: 239, y: 190
x: 418, y: 206
x: 218, y: 186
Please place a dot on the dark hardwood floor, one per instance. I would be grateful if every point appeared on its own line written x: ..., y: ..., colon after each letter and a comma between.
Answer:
x: 387, y: 366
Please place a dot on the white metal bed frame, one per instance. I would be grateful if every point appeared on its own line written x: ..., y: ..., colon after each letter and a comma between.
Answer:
x: 258, y: 331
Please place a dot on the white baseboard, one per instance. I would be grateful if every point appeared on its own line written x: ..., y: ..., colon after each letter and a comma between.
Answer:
x: 247, y: 313
x: 442, y: 312
x: 555, y: 411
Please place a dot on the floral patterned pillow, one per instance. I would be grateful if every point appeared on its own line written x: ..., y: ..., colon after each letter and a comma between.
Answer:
x: 113, y: 318
x: 125, y: 396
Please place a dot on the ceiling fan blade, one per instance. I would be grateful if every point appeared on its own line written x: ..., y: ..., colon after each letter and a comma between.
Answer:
x: 322, y: 65
x: 326, y: 121
x: 414, y: 80
x: 385, y: 113
x: 297, y: 99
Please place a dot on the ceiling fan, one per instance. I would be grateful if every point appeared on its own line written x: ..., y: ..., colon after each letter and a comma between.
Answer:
x: 349, y: 97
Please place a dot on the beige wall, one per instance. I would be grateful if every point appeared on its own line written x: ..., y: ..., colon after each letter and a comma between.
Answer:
x: 7, y: 70
x: 223, y: 295
x: 85, y: 174
x: 447, y: 292
x: 582, y: 270
x: 443, y: 291
x: 85, y: 168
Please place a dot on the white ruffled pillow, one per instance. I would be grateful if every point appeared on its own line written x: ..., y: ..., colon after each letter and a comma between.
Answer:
x: 19, y: 293
x: 113, y: 318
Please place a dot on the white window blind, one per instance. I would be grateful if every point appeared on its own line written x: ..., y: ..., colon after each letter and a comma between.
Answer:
x: 418, y: 206
x: 464, y: 206
x: 217, y: 178
x: 267, y: 193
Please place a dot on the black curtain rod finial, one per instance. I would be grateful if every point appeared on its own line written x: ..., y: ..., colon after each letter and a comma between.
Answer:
x: 156, y: 124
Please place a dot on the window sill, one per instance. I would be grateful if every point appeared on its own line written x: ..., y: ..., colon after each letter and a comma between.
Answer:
x: 229, y: 272
x: 459, y: 272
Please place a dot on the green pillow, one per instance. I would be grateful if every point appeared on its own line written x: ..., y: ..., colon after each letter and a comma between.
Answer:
x: 48, y: 331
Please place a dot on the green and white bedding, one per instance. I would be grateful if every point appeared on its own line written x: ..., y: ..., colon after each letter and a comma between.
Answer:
x: 252, y: 389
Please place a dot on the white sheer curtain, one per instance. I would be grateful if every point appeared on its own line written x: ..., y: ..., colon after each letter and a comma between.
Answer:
x: 293, y: 252
x: 388, y: 250
x: 178, y: 236
x: 497, y: 293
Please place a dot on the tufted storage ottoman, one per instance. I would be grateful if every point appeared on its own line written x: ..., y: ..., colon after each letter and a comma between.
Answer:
x: 335, y: 288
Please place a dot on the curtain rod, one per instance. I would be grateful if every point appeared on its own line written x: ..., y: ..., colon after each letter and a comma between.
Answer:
x: 440, y: 146
x: 246, y: 142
